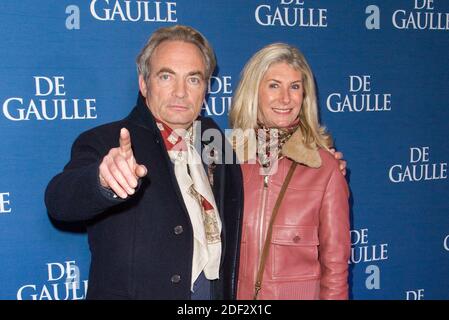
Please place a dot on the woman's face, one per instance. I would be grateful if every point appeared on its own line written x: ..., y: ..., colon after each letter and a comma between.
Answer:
x: 280, y: 96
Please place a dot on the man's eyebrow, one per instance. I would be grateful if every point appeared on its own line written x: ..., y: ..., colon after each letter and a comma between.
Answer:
x: 165, y: 70
x: 196, y: 73
x: 191, y: 73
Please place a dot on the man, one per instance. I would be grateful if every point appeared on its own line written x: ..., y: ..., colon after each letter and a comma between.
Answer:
x: 160, y: 225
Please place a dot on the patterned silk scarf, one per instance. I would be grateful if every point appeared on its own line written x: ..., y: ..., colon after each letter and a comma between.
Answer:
x: 270, y: 142
x: 199, y: 200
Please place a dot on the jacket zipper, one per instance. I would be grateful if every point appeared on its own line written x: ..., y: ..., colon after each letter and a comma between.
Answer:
x: 261, y: 221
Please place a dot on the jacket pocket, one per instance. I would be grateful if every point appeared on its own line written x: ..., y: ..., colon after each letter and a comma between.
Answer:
x: 294, y: 253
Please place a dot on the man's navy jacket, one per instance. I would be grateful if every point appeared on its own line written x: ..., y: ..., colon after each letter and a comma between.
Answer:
x: 142, y: 247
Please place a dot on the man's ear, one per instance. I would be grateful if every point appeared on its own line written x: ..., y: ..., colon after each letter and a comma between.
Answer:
x: 142, y: 86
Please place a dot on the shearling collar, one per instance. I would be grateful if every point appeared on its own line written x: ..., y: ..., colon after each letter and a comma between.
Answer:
x: 295, y: 149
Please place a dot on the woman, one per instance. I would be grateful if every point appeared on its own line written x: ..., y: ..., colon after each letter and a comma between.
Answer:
x: 304, y: 252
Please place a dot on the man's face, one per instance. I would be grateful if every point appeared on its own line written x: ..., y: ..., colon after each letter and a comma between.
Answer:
x: 176, y: 86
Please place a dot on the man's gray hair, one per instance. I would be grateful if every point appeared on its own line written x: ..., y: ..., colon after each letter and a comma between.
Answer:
x: 176, y: 33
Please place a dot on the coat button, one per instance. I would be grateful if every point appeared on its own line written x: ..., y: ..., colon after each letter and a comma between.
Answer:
x: 296, y: 239
x: 175, y: 278
x: 178, y: 230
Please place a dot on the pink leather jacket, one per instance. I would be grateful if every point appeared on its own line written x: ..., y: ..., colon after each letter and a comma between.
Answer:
x: 310, y: 246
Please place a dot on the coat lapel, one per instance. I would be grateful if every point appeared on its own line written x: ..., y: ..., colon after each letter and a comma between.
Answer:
x: 142, y: 117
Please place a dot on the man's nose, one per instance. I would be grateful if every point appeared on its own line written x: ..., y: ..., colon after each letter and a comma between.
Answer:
x: 180, y: 89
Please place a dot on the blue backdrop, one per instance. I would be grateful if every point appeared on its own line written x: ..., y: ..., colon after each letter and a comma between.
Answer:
x: 382, y: 73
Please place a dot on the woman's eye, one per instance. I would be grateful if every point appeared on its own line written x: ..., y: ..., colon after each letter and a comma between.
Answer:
x: 296, y: 86
x: 273, y: 85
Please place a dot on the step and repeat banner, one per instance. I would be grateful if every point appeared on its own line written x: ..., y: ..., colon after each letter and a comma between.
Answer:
x: 382, y: 72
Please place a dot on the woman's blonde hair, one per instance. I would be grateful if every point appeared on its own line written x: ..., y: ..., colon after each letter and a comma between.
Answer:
x: 245, y: 103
